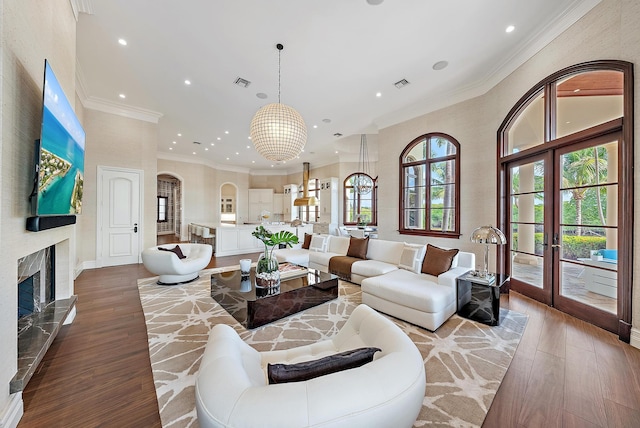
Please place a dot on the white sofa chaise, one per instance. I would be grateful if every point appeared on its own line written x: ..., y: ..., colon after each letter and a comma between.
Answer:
x: 173, y: 270
x: 382, y: 257
x: 298, y: 255
x: 232, y: 389
x: 421, y: 299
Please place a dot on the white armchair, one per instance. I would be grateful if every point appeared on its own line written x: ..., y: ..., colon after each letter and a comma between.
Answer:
x: 173, y: 270
x: 232, y: 389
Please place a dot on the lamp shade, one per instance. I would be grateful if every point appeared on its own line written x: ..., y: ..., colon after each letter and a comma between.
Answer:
x: 488, y: 235
x: 278, y: 132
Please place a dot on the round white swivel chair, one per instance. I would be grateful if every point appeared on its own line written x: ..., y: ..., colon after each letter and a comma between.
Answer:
x: 173, y: 270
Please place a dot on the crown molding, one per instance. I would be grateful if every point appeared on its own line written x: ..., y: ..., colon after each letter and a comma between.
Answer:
x: 200, y: 161
x: 106, y: 106
x: 81, y: 6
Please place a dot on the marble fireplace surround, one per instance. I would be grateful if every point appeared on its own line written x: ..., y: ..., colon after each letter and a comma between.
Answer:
x: 37, y: 331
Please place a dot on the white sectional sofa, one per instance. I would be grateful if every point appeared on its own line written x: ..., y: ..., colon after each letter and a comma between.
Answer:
x: 421, y: 299
x: 391, y: 277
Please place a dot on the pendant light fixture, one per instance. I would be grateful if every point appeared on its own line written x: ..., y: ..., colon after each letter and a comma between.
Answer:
x: 278, y: 131
x: 363, y: 182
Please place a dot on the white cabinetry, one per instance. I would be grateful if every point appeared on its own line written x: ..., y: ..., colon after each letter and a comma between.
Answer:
x: 288, y: 210
x: 259, y: 200
x: 328, y: 210
x: 278, y: 203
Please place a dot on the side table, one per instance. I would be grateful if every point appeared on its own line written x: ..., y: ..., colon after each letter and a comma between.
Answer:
x: 478, y: 300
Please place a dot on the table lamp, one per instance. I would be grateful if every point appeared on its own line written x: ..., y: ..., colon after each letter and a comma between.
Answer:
x: 487, y: 235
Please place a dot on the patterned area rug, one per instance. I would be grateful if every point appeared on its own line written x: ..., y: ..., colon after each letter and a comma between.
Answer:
x: 465, y: 361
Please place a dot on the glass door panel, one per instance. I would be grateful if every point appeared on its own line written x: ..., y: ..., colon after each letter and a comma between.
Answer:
x: 587, y: 227
x: 529, y: 213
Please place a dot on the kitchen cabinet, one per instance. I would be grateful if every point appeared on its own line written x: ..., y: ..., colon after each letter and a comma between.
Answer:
x: 289, y: 211
x: 260, y: 200
x: 278, y: 203
x: 328, y: 210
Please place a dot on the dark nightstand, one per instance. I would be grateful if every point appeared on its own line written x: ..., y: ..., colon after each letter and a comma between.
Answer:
x: 478, y: 300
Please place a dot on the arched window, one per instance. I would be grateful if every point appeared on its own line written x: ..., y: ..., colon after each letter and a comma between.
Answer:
x: 360, y: 208
x: 309, y: 213
x: 430, y: 186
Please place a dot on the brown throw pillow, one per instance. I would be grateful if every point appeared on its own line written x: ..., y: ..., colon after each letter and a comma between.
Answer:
x: 283, y: 373
x: 358, y: 247
x: 307, y: 241
x: 437, y: 260
x: 176, y: 250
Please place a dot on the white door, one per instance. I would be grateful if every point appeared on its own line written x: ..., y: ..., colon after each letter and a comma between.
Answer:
x: 119, y: 228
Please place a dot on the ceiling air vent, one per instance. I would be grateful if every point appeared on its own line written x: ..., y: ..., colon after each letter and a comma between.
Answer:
x: 401, y: 83
x: 242, y: 82
x: 196, y: 142
x: 337, y: 134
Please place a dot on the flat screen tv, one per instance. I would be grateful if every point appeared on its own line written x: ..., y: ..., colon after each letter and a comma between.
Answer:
x: 59, y: 156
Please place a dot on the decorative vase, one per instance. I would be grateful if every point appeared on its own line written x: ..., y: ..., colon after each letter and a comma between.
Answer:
x: 267, y: 273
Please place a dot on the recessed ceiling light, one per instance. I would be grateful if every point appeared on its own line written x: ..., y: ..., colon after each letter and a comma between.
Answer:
x: 237, y: 153
x: 271, y: 166
x: 510, y: 29
x: 194, y: 153
x: 174, y: 142
x: 123, y: 42
x: 219, y: 138
x: 440, y: 65
x: 336, y: 152
x: 123, y: 96
x: 248, y: 147
x: 261, y: 95
x: 315, y: 126
x: 213, y: 144
x: 187, y: 82
x: 249, y: 137
x: 227, y: 158
x: 326, y: 120
x: 206, y: 149
x: 179, y: 134
x: 374, y: 2
x: 170, y: 148
x: 378, y: 94
x: 226, y: 132
x: 253, y: 161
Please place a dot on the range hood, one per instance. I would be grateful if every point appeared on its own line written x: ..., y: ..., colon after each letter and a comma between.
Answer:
x: 305, y: 200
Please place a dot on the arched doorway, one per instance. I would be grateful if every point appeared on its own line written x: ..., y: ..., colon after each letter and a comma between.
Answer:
x: 228, y: 203
x: 169, y: 207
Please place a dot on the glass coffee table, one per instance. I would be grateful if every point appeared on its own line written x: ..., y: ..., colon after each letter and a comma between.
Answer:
x: 253, y: 307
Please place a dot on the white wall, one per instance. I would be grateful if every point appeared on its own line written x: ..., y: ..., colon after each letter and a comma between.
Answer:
x: 609, y: 31
x: 117, y: 141
x: 30, y: 31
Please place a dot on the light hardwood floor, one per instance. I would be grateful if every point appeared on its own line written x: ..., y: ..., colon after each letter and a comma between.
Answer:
x: 565, y: 373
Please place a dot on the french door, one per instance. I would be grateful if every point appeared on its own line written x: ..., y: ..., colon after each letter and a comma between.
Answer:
x: 562, y: 219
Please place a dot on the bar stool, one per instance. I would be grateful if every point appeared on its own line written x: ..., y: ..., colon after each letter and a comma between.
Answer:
x: 198, y: 233
x: 207, y: 237
x: 192, y: 233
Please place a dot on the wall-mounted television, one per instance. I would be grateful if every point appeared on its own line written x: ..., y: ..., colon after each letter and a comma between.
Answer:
x: 59, y: 179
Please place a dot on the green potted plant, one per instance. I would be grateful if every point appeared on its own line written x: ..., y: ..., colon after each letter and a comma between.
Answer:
x: 267, y: 273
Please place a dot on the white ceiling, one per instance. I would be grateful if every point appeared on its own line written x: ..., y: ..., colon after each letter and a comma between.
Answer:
x: 337, y: 55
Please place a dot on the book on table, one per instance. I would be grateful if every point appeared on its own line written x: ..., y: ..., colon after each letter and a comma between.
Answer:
x: 290, y: 270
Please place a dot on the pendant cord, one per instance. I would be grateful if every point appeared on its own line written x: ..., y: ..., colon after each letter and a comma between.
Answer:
x: 279, y: 51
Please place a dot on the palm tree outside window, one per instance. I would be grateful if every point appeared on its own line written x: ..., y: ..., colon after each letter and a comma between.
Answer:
x: 430, y: 186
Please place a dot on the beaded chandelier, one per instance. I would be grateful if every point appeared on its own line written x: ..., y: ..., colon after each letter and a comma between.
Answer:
x: 278, y: 131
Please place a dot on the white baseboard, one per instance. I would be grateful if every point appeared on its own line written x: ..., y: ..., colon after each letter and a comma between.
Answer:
x: 72, y: 315
x: 89, y: 264
x: 635, y: 338
x: 12, y: 414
